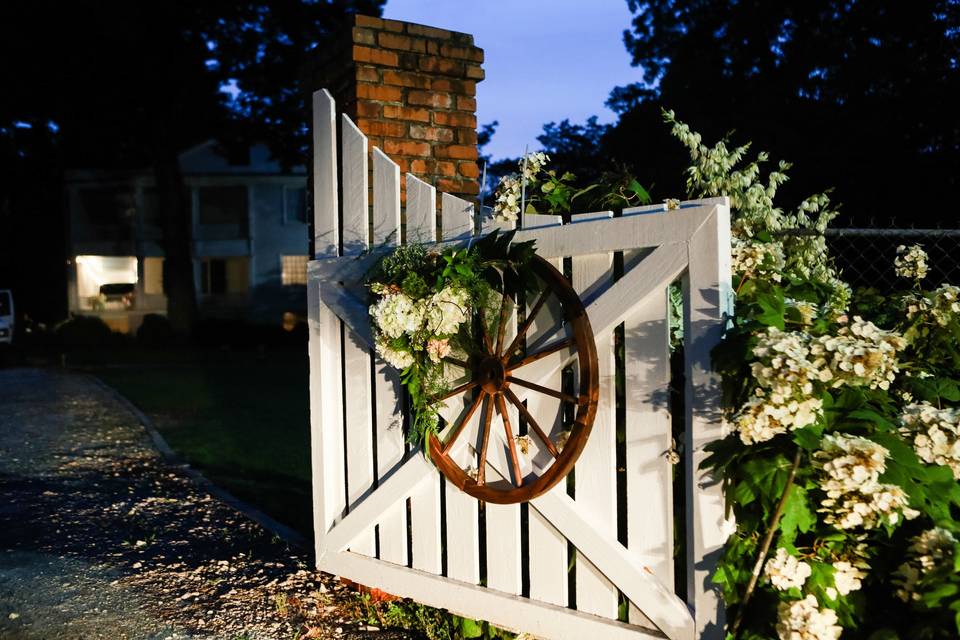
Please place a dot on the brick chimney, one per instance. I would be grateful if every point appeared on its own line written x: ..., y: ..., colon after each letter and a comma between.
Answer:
x: 411, y: 89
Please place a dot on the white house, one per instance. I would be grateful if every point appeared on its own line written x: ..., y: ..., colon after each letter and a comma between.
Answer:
x: 250, y: 240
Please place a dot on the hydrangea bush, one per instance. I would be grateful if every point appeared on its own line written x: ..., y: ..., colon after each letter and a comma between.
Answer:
x: 842, y: 461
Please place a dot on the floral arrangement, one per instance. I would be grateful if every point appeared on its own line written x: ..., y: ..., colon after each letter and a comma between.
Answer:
x: 426, y: 306
x: 842, y: 462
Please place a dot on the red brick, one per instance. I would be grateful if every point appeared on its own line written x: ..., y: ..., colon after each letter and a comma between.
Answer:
x: 466, y: 104
x: 364, y: 36
x: 453, y: 185
x: 406, y: 79
x: 467, y: 136
x: 453, y: 119
x: 368, y: 74
x: 368, y: 21
x: 423, y: 166
x: 464, y: 53
x: 433, y: 48
x: 394, y: 25
x: 441, y: 66
x: 368, y: 109
x: 406, y: 113
x: 475, y: 72
x: 469, y: 169
x: 446, y: 168
x: 464, y: 87
x: 378, y: 92
x: 392, y: 128
x: 435, y: 134
x: 457, y: 152
x: 375, y: 56
x: 428, y: 32
x: 403, y: 43
x: 406, y: 148
x: 430, y: 99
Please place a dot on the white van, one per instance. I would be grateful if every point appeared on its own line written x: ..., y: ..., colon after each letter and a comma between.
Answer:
x: 6, y: 316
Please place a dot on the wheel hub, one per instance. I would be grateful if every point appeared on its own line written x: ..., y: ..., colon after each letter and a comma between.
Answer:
x: 491, y: 374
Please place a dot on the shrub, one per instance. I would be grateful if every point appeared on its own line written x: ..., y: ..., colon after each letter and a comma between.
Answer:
x: 155, y: 331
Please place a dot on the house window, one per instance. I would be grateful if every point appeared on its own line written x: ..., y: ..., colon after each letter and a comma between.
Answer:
x: 107, y: 206
x: 223, y: 205
x: 294, y: 204
x: 224, y: 275
x: 293, y: 269
x: 106, y: 282
x: 153, y: 276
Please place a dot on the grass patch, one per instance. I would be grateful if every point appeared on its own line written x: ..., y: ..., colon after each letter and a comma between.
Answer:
x: 242, y: 418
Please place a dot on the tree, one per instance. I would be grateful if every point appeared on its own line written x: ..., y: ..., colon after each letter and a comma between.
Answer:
x: 854, y: 93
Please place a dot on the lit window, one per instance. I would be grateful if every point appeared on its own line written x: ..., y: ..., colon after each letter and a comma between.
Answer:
x: 294, y: 269
x: 153, y: 276
x: 106, y: 282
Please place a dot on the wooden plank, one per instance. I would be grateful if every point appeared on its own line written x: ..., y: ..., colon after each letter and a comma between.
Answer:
x: 391, y: 447
x: 456, y: 217
x: 462, y: 510
x: 425, y: 512
x: 547, y: 547
x: 596, y: 485
x: 356, y: 356
x: 648, y: 474
x: 326, y: 400
x: 506, y: 611
x: 421, y: 211
x: 708, y: 304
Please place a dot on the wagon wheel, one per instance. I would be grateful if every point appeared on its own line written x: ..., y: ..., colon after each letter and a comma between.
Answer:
x: 496, y: 369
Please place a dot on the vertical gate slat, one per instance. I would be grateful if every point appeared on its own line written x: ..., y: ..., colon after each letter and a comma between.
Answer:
x: 707, y: 306
x: 425, y: 501
x: 356, y: 358
x: 595, y: 471
x: 326, y: 425
x: 391, y: 447
x: 649, y: 476
x: 548, y: 547
x: 463, y: 540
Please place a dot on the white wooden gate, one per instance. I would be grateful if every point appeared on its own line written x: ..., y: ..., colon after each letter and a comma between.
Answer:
x: 555, y: 567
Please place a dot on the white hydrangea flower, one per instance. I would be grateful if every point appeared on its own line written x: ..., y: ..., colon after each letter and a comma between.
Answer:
x: 860, y: 354
x: 942, y: 304
x: 506, y: 206
x: 763, y: 260
x: 397, y: 314
x: 786, y: 571
x: 930, y: 550
x: 446, y: 310
x: 394, y: 357
x: 935, y: 433
x: 805, y: 620
x: 850, y: 471
x: 847, y: 576
x: 534, y: 163
x: 911, y: 262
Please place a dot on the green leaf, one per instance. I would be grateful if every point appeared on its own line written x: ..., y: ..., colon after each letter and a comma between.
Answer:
x: 797, y: 515
x: 470, y: 628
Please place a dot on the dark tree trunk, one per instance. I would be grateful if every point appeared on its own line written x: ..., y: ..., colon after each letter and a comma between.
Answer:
x: 178, y: 282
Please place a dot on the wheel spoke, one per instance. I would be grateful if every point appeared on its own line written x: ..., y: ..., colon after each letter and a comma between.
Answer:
x: 501, y: 323
x: 452, y: 438
x: 553, y: 347
x: 529, y: 321
x: 511, y: 440
x: 484, y: 332
x: 487, y: 417
x: 457, y: 362
x: 456, y: 391
x: 550, y: 392
x: 512, y: 397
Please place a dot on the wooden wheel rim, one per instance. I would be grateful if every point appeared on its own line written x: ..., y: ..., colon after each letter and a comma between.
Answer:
x: 493, y: 384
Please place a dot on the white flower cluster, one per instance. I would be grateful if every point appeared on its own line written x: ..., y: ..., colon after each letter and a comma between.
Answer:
x: 861, y: 354
x: 850, y: 476
x: 935, y: 433
x: 942, y: 304
x: 805, y: 620
x: 847, y: 577
x: 911, y: 262
x: 763, y: 260
x: 930, y: 550
x: 508, y: 197
x: 784, y: 401
x: 424, y: 324
x: 786, y: 571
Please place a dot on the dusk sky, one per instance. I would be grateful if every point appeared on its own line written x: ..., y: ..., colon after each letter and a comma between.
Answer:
x: 546, y: 60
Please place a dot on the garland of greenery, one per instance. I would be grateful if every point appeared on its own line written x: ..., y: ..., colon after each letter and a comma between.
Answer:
x: 426, y: 305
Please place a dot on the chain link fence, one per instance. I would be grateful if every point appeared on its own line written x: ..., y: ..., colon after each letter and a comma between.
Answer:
x: 865, y: 255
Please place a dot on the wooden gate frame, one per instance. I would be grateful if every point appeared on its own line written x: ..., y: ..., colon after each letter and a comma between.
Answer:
x: 691, y: 243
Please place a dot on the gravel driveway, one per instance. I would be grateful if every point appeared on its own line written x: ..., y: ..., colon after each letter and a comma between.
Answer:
x: 101, y: 538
